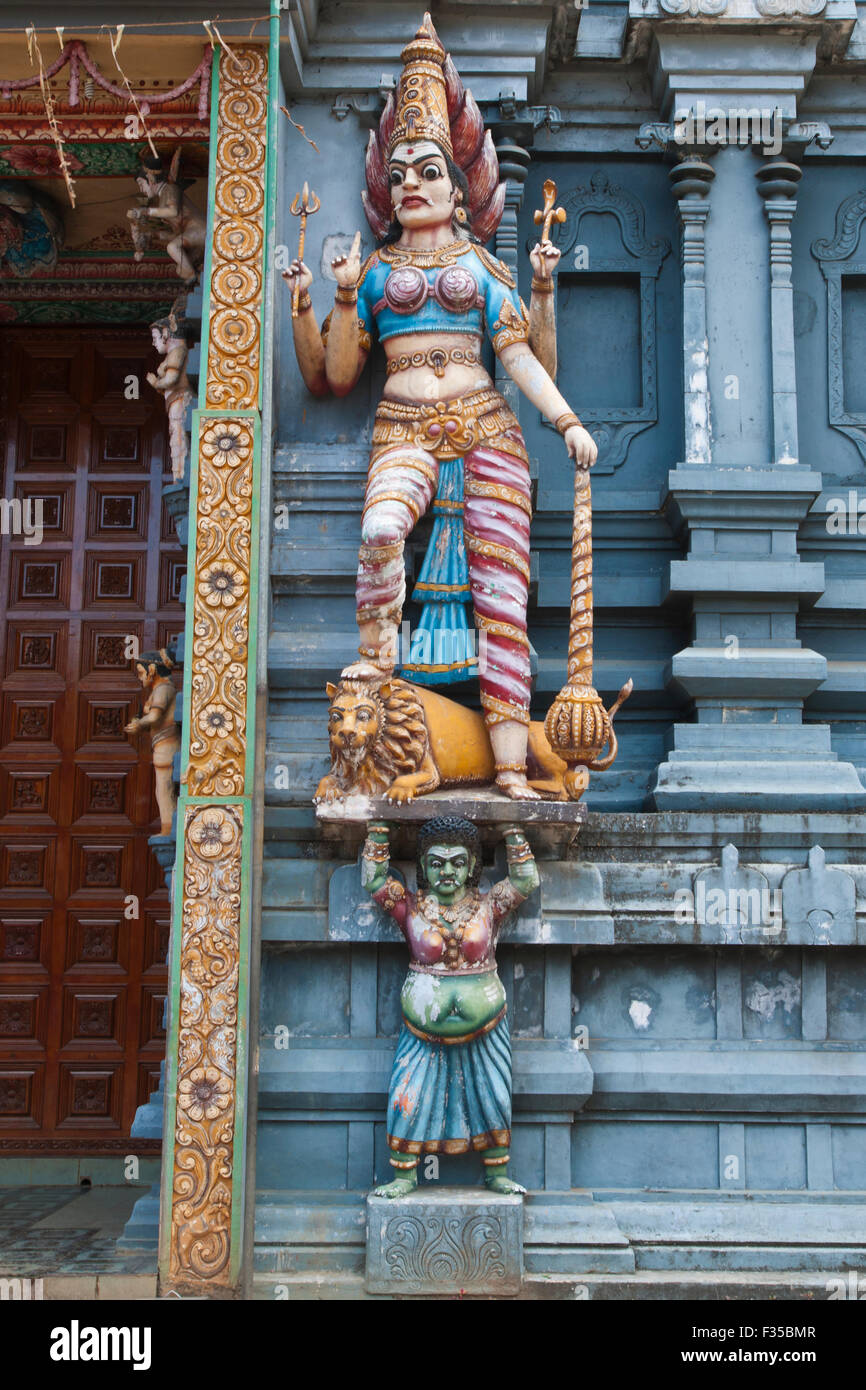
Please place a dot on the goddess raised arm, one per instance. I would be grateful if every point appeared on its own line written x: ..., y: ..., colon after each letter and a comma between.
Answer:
x: 442, y: 430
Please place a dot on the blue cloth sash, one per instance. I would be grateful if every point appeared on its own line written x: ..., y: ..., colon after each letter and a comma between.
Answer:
x: 450, y: 1097
x: 443, y: 647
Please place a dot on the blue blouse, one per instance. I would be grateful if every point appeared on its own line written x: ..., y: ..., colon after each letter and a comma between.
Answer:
x: 460, y: 288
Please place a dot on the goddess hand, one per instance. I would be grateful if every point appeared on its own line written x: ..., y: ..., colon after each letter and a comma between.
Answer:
x: 544, y: 258
x: 297, y: 271
x: 347, y: 268
x: 581, y: 446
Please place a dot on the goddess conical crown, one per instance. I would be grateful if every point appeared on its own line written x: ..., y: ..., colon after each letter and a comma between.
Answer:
x: 433, y: 104
x: 422, y: 99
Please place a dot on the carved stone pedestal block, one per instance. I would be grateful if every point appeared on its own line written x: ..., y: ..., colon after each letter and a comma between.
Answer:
x: 459, y: 1238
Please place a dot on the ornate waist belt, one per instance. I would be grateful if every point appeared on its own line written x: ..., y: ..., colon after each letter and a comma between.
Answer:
x: 464, y: 1037
x: 437, y: 358
x: 445, y: 429
x: 485, y: 968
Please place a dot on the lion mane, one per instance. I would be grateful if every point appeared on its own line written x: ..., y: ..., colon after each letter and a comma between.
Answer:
x: 399, y: 744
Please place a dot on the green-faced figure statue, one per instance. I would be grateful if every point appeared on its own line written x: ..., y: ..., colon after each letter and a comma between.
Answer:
x: 450, y: 1088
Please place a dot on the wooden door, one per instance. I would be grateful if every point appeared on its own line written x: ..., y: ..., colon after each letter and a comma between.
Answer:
x: 83, y: 906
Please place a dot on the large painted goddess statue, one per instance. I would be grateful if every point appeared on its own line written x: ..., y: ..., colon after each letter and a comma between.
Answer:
x: 443, y: 434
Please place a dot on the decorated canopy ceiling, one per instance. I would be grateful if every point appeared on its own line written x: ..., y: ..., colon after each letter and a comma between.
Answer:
x: 97, y: 110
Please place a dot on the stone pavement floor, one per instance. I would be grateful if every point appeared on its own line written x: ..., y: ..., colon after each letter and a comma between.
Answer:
x: 47, y: 1231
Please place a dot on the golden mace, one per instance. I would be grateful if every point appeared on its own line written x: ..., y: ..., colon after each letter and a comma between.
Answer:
x: 303, y: 205
x: 577, y: 725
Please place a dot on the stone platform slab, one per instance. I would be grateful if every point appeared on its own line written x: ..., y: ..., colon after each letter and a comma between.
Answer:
x: 458, y: 1240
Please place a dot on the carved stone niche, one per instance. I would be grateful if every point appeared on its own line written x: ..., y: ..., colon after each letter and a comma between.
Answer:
x: 843, y: 267
x: 607, y: 257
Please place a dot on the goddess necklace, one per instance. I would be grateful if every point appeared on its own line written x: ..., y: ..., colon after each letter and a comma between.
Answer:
x: 440, y: 255
x: 437, y: 912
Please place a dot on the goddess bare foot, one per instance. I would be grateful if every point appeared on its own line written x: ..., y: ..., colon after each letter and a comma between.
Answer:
x: 515, y: 785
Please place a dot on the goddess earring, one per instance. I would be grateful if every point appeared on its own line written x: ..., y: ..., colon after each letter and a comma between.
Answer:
x: 461, y: 214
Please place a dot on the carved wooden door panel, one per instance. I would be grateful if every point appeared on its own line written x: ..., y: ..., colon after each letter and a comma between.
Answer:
x: 83, y: 906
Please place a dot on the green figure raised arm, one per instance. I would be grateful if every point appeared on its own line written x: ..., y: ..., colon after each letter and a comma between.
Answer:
x: 450, y: 1088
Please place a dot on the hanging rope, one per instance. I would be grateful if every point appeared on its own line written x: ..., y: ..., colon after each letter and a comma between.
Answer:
x: 35, y: 54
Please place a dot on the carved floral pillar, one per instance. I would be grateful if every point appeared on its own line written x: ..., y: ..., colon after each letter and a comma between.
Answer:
x: 204, y: 1151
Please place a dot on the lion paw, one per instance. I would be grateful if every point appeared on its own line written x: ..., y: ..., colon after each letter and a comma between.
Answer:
x: 400, y: 796
x: 328, y: 790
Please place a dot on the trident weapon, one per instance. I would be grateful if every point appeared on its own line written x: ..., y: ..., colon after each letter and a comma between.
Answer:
x: 303, y: 205
x: 548, y: 213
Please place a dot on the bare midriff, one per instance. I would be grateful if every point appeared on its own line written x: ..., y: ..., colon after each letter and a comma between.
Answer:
x: 421, y: 384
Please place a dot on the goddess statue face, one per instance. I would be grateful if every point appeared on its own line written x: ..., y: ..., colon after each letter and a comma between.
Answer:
x: 447, y: 868
x: 422, y: 194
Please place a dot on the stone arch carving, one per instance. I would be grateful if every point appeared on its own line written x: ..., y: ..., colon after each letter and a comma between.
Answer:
x: 614, y: 427
x: 839, y: 257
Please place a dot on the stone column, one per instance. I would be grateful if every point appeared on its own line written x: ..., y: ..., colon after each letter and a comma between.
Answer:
x: 777, y: 185
x: 740, y: 494
x: 690, y: 184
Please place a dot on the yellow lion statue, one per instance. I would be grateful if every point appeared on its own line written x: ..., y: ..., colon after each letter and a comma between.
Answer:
x: 393, y: 739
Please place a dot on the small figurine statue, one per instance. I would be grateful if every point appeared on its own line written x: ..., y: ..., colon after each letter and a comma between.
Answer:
x: 31, y: 229
x: 450, y: 1088
x: 171, y: 338
x: 184, y: 229
x: 443, y: 435
x: 154, y: 671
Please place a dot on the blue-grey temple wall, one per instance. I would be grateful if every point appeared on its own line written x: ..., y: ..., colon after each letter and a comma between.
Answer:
x: 689, y: 1085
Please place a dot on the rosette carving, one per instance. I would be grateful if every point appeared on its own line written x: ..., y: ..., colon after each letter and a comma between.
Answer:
x: 207, y: 1045
x: 234, y: 353
x: 220, y: 648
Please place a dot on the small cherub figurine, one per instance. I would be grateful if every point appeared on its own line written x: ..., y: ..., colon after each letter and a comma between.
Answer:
x: 171, y: 338
x: 184, y: 229
x: 154, y: 671
x: 450, y: 1088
